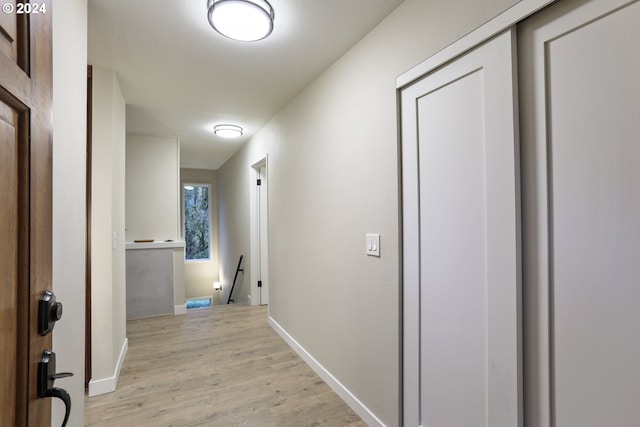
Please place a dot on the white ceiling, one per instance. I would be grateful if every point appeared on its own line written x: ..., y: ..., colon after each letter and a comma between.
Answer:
x: 179, y: 76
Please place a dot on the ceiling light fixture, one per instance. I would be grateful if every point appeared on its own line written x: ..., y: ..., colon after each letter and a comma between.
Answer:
x: 243, y: 20
x: 227, y: 131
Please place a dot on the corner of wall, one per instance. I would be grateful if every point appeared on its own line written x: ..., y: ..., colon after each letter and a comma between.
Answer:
x: 69, y: 204
x: 108, y: 265
x: 109, y: 384
x: 349, y: 398
x: 233, y: 218
x: 178, y: 281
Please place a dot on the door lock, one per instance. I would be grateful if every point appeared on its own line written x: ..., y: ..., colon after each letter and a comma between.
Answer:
x: 49, y: 312
x: 46, y: 376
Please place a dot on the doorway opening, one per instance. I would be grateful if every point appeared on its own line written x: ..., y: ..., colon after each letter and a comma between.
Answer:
x: 259, y: 207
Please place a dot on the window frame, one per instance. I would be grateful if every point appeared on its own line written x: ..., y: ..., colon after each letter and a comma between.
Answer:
x: 183, y: 220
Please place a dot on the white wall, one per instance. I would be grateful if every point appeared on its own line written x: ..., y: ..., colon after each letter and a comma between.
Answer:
x: 178, y: 281
x: 69, y: 162
x: 152, y: 192
x: 234, y: 224
x: 333, y: 177
x: 200, y: 275
x: 108, y: 273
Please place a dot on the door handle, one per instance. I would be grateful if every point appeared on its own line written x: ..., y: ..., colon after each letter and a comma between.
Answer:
x: 46, y: 376
x: 49, y: 312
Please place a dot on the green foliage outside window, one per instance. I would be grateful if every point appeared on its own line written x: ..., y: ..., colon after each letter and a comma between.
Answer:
x: 196, y: 222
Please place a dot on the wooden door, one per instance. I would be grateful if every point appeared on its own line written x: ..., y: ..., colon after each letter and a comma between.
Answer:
x: 25, y: 207
x: 462, y: 360
x: 580, y: 103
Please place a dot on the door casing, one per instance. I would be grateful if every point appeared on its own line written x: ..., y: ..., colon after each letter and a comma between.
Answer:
x: 258, y: 206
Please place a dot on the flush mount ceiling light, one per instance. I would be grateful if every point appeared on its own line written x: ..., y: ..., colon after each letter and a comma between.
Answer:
x: 227, y: 131
x: 243, y: 20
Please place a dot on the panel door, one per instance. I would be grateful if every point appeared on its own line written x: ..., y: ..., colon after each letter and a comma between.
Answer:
x: 25, y: 209
x: 462, y: 317
x: 580, y: 92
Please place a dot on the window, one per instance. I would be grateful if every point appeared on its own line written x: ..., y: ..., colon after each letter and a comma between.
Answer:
x: 197, y: 208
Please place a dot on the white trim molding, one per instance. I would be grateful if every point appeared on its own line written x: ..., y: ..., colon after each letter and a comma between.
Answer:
x: 181, y: 309
x: 344, y: 393
x: 497, y: 25
x: 254, y: 216
x: 109, y: 384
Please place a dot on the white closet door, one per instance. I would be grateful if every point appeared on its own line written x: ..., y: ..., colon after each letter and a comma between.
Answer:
x: 462, y: 324
x: 580, y: 81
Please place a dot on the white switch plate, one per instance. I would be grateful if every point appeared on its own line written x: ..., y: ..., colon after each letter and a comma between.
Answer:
x: 373, y: 245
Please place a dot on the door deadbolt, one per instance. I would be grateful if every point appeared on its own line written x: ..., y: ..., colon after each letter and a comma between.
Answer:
x: 49, y: 312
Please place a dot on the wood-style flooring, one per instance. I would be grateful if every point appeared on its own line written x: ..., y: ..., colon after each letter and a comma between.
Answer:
x: 223, y: 366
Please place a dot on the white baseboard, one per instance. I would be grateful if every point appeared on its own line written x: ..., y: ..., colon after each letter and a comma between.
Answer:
x: 179, y: 309
x: 364, y: 412
x: 107, y: 385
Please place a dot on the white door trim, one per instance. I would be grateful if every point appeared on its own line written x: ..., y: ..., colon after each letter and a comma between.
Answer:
x: 254, y: 208
x: 506, y: 19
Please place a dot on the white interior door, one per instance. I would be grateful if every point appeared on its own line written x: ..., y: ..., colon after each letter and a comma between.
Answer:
x: 462, y: 318
x: 580, y: 92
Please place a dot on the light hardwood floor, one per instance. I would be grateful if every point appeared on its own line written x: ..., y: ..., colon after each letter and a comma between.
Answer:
x: 223, y: 366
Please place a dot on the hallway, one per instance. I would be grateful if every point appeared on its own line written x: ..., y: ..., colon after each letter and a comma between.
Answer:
x: 215, y: 367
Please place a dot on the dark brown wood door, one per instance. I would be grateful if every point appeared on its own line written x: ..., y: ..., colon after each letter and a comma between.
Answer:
x: 25, y: 206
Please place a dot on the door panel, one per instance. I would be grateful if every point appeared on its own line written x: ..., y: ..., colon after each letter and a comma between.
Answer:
x: 9, y: 31
x: 462, y: 306
x: 453, y: 233
x: 25, y: 210
x: 581, y: 104
x: 8, y: 264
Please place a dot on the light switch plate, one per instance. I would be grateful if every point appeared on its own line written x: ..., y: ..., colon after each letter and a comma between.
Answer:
x: 373, y: 245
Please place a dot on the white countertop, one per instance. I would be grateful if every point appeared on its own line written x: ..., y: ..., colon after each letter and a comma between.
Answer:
x: 156, y: 244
